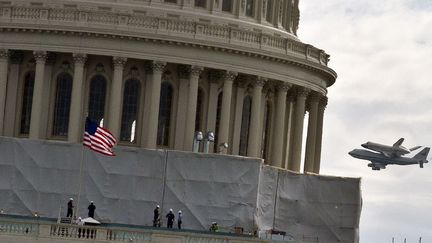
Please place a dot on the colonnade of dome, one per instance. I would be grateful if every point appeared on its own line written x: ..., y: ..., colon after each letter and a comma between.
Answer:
x: 154, y: 81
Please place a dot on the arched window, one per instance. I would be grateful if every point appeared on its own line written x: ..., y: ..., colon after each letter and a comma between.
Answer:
x: 218, y: 116
x: 165, y: 106
x: 27, y: 100
x: 62, y: 104
x: 227, y: 5
x: 245, y: 122
x: 266, y: 132
x: 96, y: 108
x: 199, y: 110
x: 130, y: 110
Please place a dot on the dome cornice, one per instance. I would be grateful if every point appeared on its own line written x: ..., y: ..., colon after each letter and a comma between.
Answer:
x: 169, y: 32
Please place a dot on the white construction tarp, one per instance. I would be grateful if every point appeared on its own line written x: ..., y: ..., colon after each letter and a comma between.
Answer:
x: 309, y: 208
x: 40, y: 176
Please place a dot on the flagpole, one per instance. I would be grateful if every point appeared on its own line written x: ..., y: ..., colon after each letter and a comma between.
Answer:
x: 80, y: 181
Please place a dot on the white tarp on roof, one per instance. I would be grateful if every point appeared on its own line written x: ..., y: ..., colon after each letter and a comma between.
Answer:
x: 309, y: 207
x: 40, y: 176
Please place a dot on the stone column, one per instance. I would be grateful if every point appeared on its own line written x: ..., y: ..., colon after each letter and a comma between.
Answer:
x: 115, y: 103
x: 279, y: 128
x: 240, y: 95
x: 183, y: 73
x: 4, y: 63
x: 254, y: 128
x: 223, y: 135
x: 37, y: 109
x: 289, y: 127
x: 75, y: 130
x: 155, y: 86
x: 9, y: 126
x: 298, y: 129
x: 321, y: 108
x: 214, y: 77
x: 311, y: 133
x: 189, y: 132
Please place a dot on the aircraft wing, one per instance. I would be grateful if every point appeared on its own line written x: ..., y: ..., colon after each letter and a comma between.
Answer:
x: 399, y: 142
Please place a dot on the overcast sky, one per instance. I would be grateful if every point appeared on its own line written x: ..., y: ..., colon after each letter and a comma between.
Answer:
x: 382, y: 52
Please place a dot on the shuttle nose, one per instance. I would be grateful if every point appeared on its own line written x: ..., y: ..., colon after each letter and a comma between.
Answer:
x: 364, y: 145
x: 351, y: 153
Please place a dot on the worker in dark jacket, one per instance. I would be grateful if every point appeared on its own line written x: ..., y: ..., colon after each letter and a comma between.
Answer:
x: 170, y: 216
x: 91, y: 210
x: 179, y: 219
x: 156, y: 220
x: 70, y: 208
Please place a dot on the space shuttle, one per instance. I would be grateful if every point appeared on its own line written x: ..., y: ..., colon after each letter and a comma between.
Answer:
x: 397, y: 150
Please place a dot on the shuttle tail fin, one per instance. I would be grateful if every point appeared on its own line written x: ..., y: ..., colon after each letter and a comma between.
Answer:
x: 399, y: 142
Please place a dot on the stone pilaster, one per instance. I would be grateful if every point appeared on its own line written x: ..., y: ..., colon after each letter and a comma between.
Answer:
x: 278, y: 132
x: 155, y: 87
x: 319, y: 131
x: 75, y: 128
x: 37, y: 109
x: 254, y: 134
x: 228, y: 78
x: 298, y: 129
x: 311, y: 132
x: 4, y: 63
x: 195, y: 72
x: 115, y: 103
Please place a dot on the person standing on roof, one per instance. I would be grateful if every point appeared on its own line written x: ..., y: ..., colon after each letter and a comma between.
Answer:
x: 70, y: 208
x: 156, y: 220
x: 91, y: 209
x: 179, y: 219
x: 214, y: 227
x: 170, y: 216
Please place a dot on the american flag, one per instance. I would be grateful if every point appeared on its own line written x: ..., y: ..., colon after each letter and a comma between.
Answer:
x: 98, y: 139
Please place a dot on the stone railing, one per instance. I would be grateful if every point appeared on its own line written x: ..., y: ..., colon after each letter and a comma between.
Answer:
x: 156, y: 27
x: 29, y: 230
x: 19, y: 228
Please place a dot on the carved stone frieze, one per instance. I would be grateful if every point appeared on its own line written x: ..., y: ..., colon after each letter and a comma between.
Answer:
x: 283, y: 86
x: 229, y: 76
x: 323, y: 102
x: 40, y: 56
x: 158, y: 66
x: 79, y: 58
x: 260, y: 81
x: 4, y: 54
x: 119, y: 62
x: 196, y: 70
x: 302, y: 92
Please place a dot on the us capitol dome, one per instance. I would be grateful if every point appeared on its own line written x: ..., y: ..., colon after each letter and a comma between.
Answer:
x: 154, y: 72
